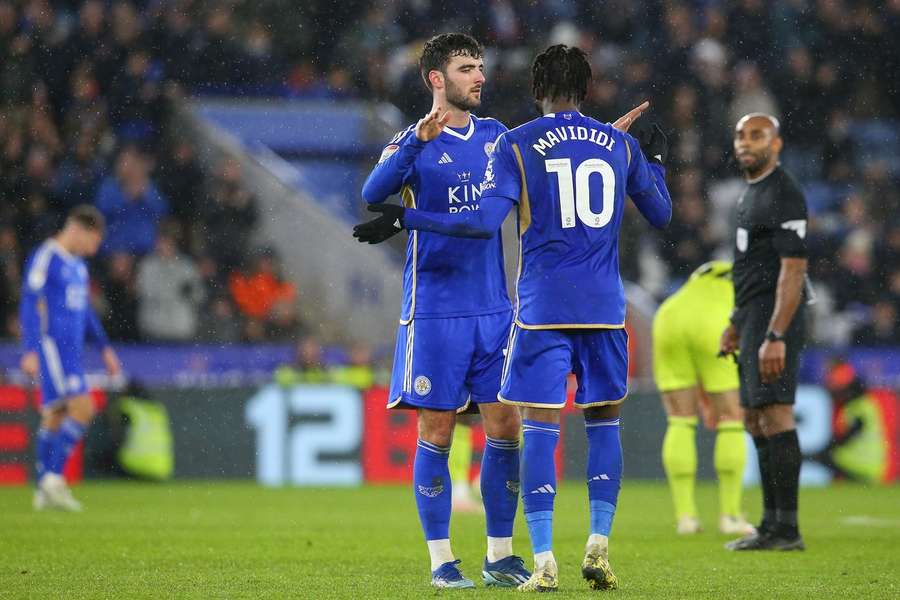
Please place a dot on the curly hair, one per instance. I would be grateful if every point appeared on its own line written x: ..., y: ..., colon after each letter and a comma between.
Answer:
x: 441, y: 48
x: 560, y: 72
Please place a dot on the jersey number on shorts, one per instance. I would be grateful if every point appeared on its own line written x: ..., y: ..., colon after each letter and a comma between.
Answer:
x: 575, y: 195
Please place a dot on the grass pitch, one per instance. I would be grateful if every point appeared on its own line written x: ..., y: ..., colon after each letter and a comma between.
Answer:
x: 236, y: 540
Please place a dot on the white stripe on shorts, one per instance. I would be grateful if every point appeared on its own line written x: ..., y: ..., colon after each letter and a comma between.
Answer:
x: 54, y: 364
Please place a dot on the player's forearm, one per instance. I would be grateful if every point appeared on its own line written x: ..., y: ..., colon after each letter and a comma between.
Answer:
x: 788, y: 293
x: 654, y: 202
x: 387, y: 176
x: 30, y: 322
x: 482, y: 223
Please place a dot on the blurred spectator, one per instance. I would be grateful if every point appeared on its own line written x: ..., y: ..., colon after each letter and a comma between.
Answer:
x: 358, y: 372
x: 170, y: 293
x: 264, y: 298
x: 79, y: 78
x: 120, y: 289
x: 219, y: 322
x: 307, y: 366
x: 79, y: 174
x: 882, y: 329
x: 229, y: 216
x: 10, y: 278
x: 750, y: 94
x: 131, y: 204
x: 181, y: 181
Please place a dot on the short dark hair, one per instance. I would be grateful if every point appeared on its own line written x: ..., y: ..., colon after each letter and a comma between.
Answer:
x: 88, y: 217
x: 438, y: 51
x: 561, y: 72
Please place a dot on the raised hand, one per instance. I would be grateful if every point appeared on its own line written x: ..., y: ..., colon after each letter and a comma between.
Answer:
x: 431, y: 125
x: 626, y: 120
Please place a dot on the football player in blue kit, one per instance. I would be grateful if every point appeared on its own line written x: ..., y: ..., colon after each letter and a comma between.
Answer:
x: 56, y: 317
x: 456, y: 311
x: 568, y: 175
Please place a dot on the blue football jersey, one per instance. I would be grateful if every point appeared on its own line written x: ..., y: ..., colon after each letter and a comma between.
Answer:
x: 55, y: 301
x: 444, y: 276
x: 569, y: 175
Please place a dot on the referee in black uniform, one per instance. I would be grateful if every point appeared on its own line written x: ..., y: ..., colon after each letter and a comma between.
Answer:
x: 767, y: 326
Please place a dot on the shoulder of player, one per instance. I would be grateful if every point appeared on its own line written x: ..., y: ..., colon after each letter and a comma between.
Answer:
x: 401, y: 135
x: 41, y: 262
x: 788, y: 183
x: 523, y: 132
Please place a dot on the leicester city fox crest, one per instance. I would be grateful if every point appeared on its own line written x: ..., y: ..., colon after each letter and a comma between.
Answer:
x: 436, y: 488
x: 512, y: 486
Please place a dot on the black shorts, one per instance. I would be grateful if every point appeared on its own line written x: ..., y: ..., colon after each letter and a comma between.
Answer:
x: 753, y: 322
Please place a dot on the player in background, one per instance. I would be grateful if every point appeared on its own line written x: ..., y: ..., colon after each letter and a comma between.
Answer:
x: 568, y: 174
x: 56, y: 317
x: 686, y: 367
x: 456, y: 311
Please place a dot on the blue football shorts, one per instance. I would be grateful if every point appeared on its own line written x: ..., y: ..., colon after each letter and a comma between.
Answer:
x: 62, y: 373
x: 539, y: 362
x: 446, y: 363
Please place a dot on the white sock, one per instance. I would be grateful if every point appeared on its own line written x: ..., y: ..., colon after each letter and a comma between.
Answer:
x: 600, y: 540
x: 440, y: 552
x: 542, y: 558
x: 498, y: 548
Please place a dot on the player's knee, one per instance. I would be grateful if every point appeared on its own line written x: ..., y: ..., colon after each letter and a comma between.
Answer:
x: 602, y: 412
x: 776, y: 419
x: 752, y: 423
x: 436, y: 427
x: 81, y: 409
x: 52, y: 419
x: 503, y: 424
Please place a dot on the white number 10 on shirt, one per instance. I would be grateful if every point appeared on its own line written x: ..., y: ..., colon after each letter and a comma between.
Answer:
x: 575, y: 197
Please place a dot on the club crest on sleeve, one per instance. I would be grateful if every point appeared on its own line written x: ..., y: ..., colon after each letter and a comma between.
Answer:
x: 422, y: 385
x: 388, y: 151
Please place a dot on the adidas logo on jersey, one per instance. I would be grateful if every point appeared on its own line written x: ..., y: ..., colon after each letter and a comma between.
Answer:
x: 544, y: 489
x: 445, y: 159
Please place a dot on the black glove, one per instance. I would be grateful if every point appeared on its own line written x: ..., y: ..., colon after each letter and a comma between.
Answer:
x: 652, y: 140
x: 384, y: 227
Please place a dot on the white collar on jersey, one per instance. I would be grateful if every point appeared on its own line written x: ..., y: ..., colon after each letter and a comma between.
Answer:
x: 462, y: 136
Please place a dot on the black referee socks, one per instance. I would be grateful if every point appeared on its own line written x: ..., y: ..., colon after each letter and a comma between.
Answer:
x: 767, y: 481
x: 784, y: 463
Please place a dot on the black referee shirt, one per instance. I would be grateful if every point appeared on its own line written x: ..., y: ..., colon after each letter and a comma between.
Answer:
x: 771, y: 224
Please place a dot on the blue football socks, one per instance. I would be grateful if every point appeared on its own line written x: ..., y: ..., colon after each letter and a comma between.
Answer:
x: 67, y: 437
x: 539, y: 481
x: 500, y: 485
x: 432, y: 488
x: 604, y: 472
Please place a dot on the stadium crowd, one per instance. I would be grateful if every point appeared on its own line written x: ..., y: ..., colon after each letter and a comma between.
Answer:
x: 85, y: 87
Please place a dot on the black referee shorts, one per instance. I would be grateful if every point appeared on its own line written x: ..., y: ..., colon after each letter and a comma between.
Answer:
x: 752, y: 322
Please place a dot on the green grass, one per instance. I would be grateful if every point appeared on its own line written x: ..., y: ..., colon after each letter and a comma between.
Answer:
x: 236, y: 540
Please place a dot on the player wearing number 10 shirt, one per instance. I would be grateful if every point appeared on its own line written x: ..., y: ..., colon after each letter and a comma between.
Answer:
x: 568, y: 175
